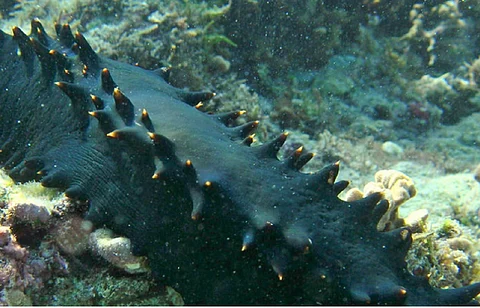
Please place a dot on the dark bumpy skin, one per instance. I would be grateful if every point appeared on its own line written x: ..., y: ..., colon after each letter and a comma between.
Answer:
x: 223, y: 222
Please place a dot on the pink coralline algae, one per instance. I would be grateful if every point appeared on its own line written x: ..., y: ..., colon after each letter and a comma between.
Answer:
x: 27, y: 258
x: 27, y: 212
x: 21, y: 269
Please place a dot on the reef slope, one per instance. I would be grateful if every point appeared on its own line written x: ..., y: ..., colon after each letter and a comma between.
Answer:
x: 220, y: 221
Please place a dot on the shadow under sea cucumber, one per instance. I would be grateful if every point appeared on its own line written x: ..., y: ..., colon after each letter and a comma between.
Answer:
x: 221, y: 221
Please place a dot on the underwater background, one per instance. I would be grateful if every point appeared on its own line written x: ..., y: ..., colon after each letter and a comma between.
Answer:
x: 377, y: 85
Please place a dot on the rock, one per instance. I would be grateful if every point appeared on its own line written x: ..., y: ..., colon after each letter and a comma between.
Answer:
x: 117, y: 251
x: 392, y: 148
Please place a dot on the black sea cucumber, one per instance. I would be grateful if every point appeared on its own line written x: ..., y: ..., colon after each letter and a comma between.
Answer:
x: 222, y: 222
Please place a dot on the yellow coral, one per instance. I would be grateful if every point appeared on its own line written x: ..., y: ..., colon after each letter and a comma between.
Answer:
x: 396, y: 188
x: 400, y: 185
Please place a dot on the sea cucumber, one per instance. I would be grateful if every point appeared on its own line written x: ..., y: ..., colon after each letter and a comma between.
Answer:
x: 220, y: 220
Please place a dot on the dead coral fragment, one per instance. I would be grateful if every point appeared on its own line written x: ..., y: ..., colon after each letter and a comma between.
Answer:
x: 396, y: 188
x: 72, y: 235
x: 117, y: 251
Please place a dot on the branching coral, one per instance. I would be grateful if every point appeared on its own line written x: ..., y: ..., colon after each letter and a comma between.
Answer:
x: 442, y: 29
x: 440, y: 34
x: 473, y: 73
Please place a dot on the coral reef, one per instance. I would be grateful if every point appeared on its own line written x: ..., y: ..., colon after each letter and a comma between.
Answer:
x: 446, y: 98
x: 369, y: 88
x: 438, y: 34
x: 25, y: 216
x: 186, y: 36
x: 52, y: 233
x: 374, y: 44
x: 202, y: 206
x: 387, y: 51
x: 23, y: 270
x: 444, y: 250
x: 447, y: 254
x: 96, y: 286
